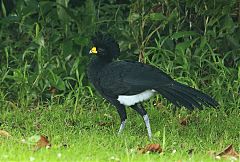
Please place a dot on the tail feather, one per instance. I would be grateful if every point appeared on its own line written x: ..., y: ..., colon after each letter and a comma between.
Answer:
x: 182, y: 95
x: 203, y: 98
x: 169, y: 97
x: 175, y: 98
x: 192, y: 101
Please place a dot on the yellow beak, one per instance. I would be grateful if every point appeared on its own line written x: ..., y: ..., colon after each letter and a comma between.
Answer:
x: 93, y: 50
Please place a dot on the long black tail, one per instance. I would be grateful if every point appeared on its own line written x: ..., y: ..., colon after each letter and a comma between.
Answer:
x: 182, y: 95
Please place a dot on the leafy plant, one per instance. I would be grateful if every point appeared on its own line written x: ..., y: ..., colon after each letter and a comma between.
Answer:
x: 44, y: 44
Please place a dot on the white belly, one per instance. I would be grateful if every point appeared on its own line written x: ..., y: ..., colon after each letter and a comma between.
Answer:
x: 133, y: 99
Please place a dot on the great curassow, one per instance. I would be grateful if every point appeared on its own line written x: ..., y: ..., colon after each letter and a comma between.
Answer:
x: 128, y: 83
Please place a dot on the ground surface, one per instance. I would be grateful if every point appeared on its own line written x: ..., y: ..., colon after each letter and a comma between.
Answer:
x: 90, y: 134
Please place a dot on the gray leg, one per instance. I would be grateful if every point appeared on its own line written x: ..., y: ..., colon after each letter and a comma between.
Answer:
x: 122, y: 127
x: 146, y: 120
x: 140, y: 109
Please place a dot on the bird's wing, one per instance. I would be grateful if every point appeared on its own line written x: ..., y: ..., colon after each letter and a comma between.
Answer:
x: 129, y: 78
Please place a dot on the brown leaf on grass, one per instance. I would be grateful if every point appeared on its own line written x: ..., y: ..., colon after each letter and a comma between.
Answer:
x: 157, y: 8
x: 151, y: 148
x: 42, y: 142
x: 158, y: 104
x: 52, y: 90
x: 37, y: 141
x: 229, y: 152
x: 184, y: 121
x: 105, y: 124
x: 4, y: 133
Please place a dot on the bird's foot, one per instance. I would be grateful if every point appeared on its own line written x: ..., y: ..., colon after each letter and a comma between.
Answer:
x: 122, y: 127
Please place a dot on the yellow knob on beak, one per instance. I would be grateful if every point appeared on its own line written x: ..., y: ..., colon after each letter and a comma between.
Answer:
x: 93, y: 50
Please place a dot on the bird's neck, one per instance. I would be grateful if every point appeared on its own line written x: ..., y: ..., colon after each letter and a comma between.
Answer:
x: 98, y: 63
x: 95, y: 66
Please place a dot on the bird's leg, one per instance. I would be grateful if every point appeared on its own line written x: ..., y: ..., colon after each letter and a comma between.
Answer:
x: 146, y: 120
x: 123, y: 116
x: 140, y: 109
x: 121, y: 127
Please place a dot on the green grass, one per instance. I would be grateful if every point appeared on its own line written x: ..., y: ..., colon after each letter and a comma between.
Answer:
x: 78, y: 136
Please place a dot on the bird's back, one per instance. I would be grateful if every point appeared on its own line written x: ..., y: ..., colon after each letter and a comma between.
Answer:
x: 130, y: 78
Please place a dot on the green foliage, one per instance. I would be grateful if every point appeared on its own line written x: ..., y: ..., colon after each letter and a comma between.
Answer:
x: 44, y: 44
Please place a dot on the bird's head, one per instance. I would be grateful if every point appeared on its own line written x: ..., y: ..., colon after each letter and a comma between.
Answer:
x: 104, y: 46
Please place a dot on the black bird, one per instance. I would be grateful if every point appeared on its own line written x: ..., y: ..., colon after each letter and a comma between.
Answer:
x: 128, y: 83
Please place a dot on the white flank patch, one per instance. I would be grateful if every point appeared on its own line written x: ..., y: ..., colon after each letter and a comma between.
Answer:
x: 133, y: 99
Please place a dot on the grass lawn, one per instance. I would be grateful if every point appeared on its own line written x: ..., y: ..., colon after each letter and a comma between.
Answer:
x: 90, y: 133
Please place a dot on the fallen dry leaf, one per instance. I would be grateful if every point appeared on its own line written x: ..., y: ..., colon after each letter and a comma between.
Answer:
x: 42, y: 142
x: 37, y: 141
x: 154, y: 148
x: 105, y: 124
x: 158, y: 105
x: 52, y: 90
x: 4, y: 133
x: 157, y: 8
x: 228, y: 152
x: 184, y: 121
